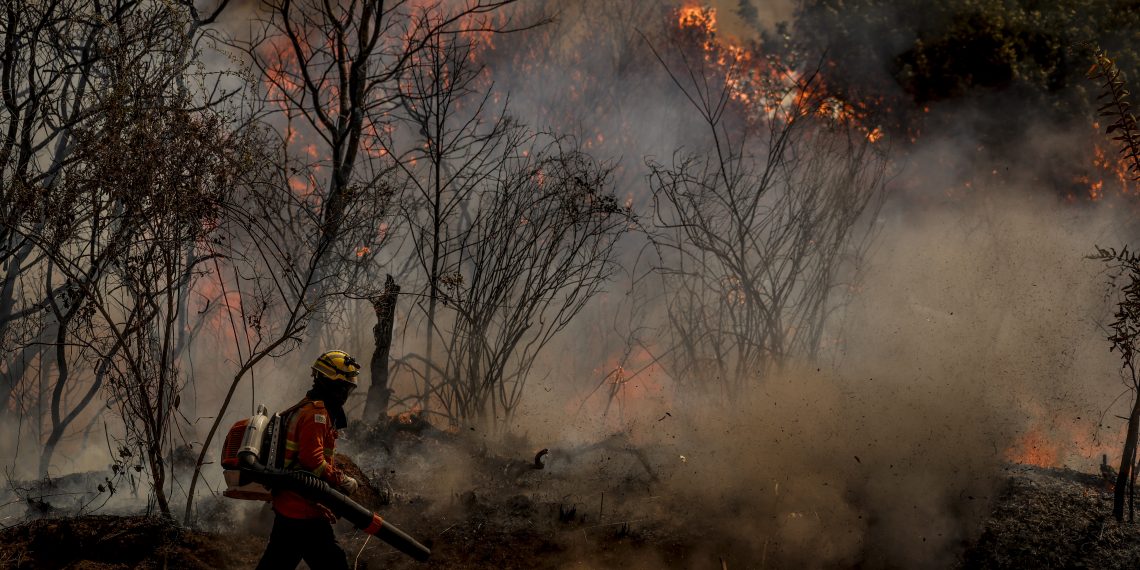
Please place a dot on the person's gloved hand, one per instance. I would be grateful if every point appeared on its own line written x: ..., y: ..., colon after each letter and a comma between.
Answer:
x: 349, y: 485
x: 329, y: 516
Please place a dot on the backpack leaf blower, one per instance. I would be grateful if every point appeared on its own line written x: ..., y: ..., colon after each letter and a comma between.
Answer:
x: 251, y: 460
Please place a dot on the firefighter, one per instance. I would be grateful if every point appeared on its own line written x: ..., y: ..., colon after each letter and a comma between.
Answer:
x: 302, y: 529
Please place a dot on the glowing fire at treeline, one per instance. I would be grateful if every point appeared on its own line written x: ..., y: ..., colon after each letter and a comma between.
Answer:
x: 754, y: 77
x: 768, y: 87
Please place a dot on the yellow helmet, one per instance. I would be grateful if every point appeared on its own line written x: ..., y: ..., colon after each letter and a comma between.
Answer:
x: 338, y: 366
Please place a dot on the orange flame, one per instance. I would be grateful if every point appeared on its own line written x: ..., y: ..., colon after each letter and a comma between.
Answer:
x: 1034, y: 448
x: 1051, y: 441
x: 1107, y: 166
x: 765, y: 86
x: 700, y: 17
x: 409, y: 417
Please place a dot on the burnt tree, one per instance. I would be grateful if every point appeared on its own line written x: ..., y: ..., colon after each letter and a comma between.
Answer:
x: 56, y: 59
x: 510, y: 234
x: 307, y: 218
x: 376, y: 407
x: 758, y: 233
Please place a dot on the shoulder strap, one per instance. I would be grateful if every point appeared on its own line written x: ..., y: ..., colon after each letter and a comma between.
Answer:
x: 287, y: 446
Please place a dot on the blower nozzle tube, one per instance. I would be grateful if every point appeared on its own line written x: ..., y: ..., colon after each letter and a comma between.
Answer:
x: 313, y: 488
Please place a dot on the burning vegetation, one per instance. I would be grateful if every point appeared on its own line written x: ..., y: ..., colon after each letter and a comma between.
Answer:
x: 646, y: 284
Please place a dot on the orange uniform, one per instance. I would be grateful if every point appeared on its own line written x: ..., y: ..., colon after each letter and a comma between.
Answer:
x: 310, y: 442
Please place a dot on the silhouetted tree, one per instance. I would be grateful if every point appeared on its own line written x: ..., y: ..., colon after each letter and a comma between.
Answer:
x: 759, y: 235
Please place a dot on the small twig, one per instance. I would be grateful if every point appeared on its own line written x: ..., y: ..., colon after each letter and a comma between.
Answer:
x: 356, y: 560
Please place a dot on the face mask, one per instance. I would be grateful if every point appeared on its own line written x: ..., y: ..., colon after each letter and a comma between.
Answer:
x: 337, y: 399
x: 338, y: 394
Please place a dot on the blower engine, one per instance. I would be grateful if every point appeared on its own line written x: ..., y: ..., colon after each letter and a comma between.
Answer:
x: 252, y: 457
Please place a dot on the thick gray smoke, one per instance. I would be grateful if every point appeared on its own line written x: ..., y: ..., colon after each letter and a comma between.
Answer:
x: 975, y: 326
x: 974, y: 338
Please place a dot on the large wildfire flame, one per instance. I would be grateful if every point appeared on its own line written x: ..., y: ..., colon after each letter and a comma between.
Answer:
x: 765, y: 84
x: 767, y: 87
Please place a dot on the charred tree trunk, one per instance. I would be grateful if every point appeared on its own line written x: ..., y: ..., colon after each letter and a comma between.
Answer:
x: 376, y: 406
x: 1132, y: 492
x: 1126, y: 461
x: 158, y: 475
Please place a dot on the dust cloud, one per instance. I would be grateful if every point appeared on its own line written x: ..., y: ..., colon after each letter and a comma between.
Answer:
x: 973, y: 338
x: 978, y: 320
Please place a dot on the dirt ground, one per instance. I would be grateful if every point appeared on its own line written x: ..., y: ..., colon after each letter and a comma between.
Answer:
x: 510, y: 513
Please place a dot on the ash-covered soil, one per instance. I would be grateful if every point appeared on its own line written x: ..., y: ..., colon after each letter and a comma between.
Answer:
x: 1055, y: 518
x: 574, y: 512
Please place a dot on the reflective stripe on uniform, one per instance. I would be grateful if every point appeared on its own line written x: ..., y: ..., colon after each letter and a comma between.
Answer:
x: 291, y: 445
x: 320, y: 470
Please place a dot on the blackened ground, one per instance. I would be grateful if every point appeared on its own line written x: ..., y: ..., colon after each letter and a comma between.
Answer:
x: 118, y: 542
x: 1055, y: 518
x: 1044, y: 518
